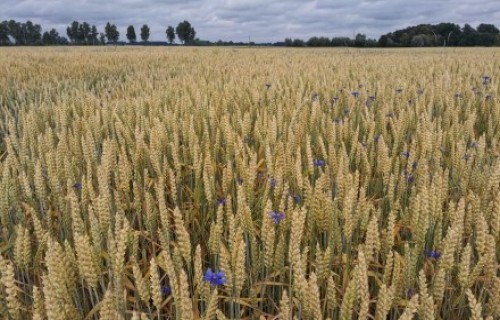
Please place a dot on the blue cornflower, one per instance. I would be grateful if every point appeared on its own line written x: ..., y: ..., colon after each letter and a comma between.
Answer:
x: 405, y: 154
x: 215, y: 278
x: 433, y: 254
x: 221, y: 201
x: 273, y: 183
x: 355, y: 94
x: 77, y: 186
x: 166, y: 290
x: 319, y: 163
x: 277, y: 216
x: 372, y: 98
x: 338, y: 121
x: 376, y: 138
x: 486, y: 80
x: 467, y: 157
x: 414, y: 165
x: 239, y: 181
x: 409, y: 178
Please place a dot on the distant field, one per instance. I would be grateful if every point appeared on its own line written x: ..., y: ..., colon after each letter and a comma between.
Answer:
x: 314, y: 183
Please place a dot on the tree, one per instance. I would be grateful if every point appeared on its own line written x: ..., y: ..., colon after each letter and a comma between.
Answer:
x: 170, y: 34
x: 422, y: 40
x: 449, y: 32
x: 15, y: 31
x: 313, y: 42
x: 82, y: 33
x: 318, y: 42
x: 75, y: 32
x: 383, y: 41
x: 467, y: 29
x: 485, y: 39
x: 111, y: 32
x: 131, y: 34
x: 62, y: 41
x: 298, y: 43
x: 145, y: 33
x: 4, y: 34
x: 50, y: 37
x: 93, y: 35
x: 360, y: 40
x: 27, y: 33
x: 340, y: 42
x: 46, y: 39
x: 185, y: 32
x: 72, y: 31
x: 102, y: 38
x: 23, y: 33
x: 33, y: 33
x: 324, y: 41
x: 487, y: 28
x: 85, y: 31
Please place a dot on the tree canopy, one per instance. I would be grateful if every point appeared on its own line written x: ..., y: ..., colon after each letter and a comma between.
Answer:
x: 131, y: 37
x: 22, y: 33
x: 82, y: 33
x: 52, y: 38
x: 111, y: 32
x: 185, y: 32
x: 170, y: 34
x: 145, y: 32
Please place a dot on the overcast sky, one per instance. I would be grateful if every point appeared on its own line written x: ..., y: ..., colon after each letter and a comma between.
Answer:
x: 262, y: 20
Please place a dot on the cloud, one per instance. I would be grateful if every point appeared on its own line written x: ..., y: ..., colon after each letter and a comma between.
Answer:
x: 261, y: 20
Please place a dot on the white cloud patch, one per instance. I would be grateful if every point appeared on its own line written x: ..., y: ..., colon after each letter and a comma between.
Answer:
x: 262, y: 20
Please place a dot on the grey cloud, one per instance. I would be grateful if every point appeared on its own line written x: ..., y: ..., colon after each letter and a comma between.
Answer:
x: 262, y: 20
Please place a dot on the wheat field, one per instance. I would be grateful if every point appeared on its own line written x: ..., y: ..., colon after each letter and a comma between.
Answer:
x: 249, y: 183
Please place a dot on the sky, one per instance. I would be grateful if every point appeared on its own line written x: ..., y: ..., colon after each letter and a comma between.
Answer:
x: 257, y: 20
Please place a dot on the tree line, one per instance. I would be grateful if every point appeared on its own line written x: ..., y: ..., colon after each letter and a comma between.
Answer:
x: 360, y: 40
x: 27, y: 33
x: 442, y: 34
x: 422, y: 35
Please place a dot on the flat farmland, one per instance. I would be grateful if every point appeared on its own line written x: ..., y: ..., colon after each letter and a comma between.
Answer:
x: 249, y: 183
